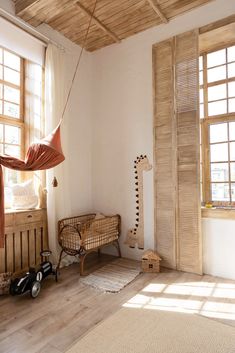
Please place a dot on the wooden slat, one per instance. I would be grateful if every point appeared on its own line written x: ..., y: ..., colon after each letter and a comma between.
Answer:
x: 156, y: 8
x: 32, y: 249
x: 23, y: 5
x: 17, y: 253
x: 189, y: 254
x: 9, y: 257
x: 164, y: 145
x: 215, y: 25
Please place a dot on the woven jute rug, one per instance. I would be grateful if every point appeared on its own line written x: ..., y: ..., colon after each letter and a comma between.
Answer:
x: 150, y: 331
x: 114, y: 276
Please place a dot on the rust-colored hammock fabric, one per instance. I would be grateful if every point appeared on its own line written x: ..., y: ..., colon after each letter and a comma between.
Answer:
x: 45, y: 154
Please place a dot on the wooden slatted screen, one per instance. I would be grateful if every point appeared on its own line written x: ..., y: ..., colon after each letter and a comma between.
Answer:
x: 164, y: 174
x: 176, y: 131
x: 189, y: 257
x: 23, y: 242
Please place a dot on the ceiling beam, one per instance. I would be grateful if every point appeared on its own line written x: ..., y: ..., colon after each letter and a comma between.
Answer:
x: 23, y: 5
x: 99, y: 23
x: 156, y: 8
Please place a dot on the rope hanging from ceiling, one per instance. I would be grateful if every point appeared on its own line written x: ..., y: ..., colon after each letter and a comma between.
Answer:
x: 45, y: 154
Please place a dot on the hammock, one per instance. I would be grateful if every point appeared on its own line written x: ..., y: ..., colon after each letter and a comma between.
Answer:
x: 45, y: 154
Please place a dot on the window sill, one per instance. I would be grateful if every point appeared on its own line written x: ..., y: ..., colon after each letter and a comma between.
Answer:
x: 218, y: 212
x: 12, y: 210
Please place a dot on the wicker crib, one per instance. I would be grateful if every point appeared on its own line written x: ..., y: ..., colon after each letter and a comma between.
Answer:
x: 84, y: 234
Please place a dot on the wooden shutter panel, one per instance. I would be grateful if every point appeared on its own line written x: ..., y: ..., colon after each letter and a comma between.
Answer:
x: 189, y: 257
x: 176, y: 152
x: 164, y: 171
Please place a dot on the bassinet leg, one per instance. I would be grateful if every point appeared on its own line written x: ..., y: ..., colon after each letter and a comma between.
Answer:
x: 82, y: 259
x: 99, y: 252
x: 58, y: 266
x: 117, y: 246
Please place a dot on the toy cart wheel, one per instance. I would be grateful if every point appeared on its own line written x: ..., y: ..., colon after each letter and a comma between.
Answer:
x: 35, y: 289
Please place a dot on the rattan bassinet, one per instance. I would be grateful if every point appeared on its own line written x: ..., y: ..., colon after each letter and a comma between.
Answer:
x: 83, y: 234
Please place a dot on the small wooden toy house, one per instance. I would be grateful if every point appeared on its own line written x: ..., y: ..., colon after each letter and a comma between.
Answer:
x: 151, y: 261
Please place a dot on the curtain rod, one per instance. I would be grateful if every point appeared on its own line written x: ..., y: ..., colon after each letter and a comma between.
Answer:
x: 44, y: 40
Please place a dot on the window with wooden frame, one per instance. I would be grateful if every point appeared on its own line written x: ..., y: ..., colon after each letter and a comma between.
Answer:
x: 11, y: 109
x: 217, y: 113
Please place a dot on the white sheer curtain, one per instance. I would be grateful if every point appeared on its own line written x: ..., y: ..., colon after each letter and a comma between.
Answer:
x: 34, y: 115
x: 55, y: 95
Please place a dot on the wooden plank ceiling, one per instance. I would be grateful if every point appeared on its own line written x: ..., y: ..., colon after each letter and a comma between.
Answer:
x: 113, y: 20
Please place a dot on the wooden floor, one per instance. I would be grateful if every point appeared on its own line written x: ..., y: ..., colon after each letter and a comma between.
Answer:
x: 65, y: 311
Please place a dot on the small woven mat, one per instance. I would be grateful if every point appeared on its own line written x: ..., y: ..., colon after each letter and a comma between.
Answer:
x: 114, y: 276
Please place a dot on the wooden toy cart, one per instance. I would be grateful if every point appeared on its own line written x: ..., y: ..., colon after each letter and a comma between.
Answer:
x: 84, y: 234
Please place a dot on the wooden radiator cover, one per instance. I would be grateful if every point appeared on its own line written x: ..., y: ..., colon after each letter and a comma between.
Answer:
x: 25, y: 237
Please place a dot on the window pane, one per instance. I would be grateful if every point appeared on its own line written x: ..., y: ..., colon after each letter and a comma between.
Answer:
x: 217, y: 92
x: 231, y: 70
x: 0, y: 55
x: 11, y: 94
x: 231, y: 89
x: 201, y: 95
x: 12, y: 150
x: 201, y: 78
x: 232, y: 171
x: 11, y: 177
x: 219, y: 172
x: 216, y: 74
x: 0, y: 107
x: 220, y: 192
x: 1, y: 72
x: 12, y: 134
x: 201, y: 111
x: 11, y: 76
x: 11, y: 60
x: 233, y: 191
x: 232, y: 131
x: 200, y: 63
x: 232, y: 151
x: 1, y: 92
x: 219, y: 153
x: 231, y: 105
x: 1, y: 133
x: 217, y: 108
x: 1, y: 148
x: 11, y: 110
x: 216, y: 58
x: 218, y: 133
x: 231, y: 54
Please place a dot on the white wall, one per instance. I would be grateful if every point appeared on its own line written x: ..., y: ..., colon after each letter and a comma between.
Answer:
x: 122, y: 121
x: 219, y: 247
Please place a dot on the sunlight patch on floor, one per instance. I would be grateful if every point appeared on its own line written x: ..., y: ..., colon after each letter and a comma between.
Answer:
x: 204, y: 298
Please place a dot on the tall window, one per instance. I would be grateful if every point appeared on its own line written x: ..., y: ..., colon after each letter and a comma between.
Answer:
x: 11, y: 108
x: 217, y: 112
